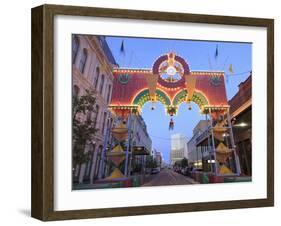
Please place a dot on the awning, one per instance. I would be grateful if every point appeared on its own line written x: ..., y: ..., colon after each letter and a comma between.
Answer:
x: 140, y: 150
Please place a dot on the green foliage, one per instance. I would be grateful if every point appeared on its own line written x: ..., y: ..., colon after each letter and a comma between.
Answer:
x: 177, y: 163
x: 137, y: 167
x: 83, y: 127
x: 184, y: 162
x: 150, y: 162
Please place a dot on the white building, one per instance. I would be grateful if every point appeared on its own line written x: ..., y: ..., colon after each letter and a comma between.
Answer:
x: 195, y: 153
x: 139, y: 133
x: 141, y: 141
x: 178, y: 148
x: 92, y: 64
x: 159, y: 159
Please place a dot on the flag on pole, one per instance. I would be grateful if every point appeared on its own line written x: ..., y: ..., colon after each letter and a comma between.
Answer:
x: 122, y: 49
x: 230, y: 69
x: 217, y: 52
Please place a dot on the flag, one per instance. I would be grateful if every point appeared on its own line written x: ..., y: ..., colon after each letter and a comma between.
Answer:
x: 230, y: 69
x: 122, y: 49
x: 217, y: 52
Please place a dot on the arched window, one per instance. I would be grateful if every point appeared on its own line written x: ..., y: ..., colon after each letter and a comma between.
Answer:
x: 75, y: 47
x: 96, y: 115
x: 108, y: 94
x: 109, y: 122
x: 103, y: 122
x: 88, y: 163
x: 83, y: 60
x: 98, y: 161
x: 89, y: 169
x: 101, y: 84
x: 76, y: 90
x: 96, y: 77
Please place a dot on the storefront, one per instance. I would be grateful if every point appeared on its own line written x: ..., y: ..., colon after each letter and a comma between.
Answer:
x: 241, y: 117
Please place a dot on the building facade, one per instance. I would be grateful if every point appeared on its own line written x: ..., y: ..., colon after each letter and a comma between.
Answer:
x: 178, y: 148
x: 92, y: 65
x: 140, y: 137
x: 196, y: 154
x: 241, y: 117
x: 159, y: 159
x: 141, y: 144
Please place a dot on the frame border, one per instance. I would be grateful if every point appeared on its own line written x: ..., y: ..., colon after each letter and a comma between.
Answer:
x: 42, y: 108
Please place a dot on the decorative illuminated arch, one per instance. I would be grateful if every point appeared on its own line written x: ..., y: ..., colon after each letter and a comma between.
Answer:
x: 197, y: 98
x: 169, y: 81
x: 142, y: 97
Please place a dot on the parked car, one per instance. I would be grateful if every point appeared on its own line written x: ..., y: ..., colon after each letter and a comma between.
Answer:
x: 196, y: 170
x: 184, y: 171
x: 155, y: 170
x: 148, y: 170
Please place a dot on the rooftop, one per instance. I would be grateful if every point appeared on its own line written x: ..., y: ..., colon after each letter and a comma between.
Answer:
x: 243, y: 95
x: 106, y: 49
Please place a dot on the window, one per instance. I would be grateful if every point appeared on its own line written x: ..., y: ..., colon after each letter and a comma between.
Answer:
x: 96, y: 78
x: 96, y: 115
x: 103, y: 122
x: 108, y: 94
x: 83, y: 60
x: 75, y: 47
x: 76, y: 91
x: 89, y: 169
x: 98, y: 161
x: 101, y: 84
x: 109, y: 121
x: 88, y: 163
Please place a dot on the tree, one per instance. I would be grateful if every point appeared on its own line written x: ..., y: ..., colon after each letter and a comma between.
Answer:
x: 184, y: 162
x: 150, y: 162
x: 83, y: 127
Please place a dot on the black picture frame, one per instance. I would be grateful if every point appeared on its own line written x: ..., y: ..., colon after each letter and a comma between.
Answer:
x: 43, y: 110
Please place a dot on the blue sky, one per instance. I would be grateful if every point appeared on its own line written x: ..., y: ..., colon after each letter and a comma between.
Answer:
x: 200, y: 55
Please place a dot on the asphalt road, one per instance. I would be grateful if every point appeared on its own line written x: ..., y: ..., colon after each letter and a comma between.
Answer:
x: 167, y: 177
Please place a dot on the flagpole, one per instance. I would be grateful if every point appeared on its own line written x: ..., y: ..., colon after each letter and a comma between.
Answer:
x: 216, y: 55
x: 223, y: 68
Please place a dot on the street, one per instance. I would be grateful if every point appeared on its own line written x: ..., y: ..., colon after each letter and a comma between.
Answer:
x: 167, y: 177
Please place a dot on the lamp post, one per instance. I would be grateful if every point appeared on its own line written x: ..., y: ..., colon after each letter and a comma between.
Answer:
x: 128, y: 146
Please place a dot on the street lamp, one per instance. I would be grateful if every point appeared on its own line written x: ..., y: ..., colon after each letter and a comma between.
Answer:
x: 243, y: 124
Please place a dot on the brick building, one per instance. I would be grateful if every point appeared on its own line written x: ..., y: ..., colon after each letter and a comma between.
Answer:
x: 241, y: 117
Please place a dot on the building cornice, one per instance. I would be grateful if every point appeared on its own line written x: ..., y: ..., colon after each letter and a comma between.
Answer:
x: 149, y: 71
x: 242, y: 108
x: 94, y: 44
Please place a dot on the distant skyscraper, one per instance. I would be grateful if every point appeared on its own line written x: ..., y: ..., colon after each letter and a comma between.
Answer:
x: 178, y: 147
